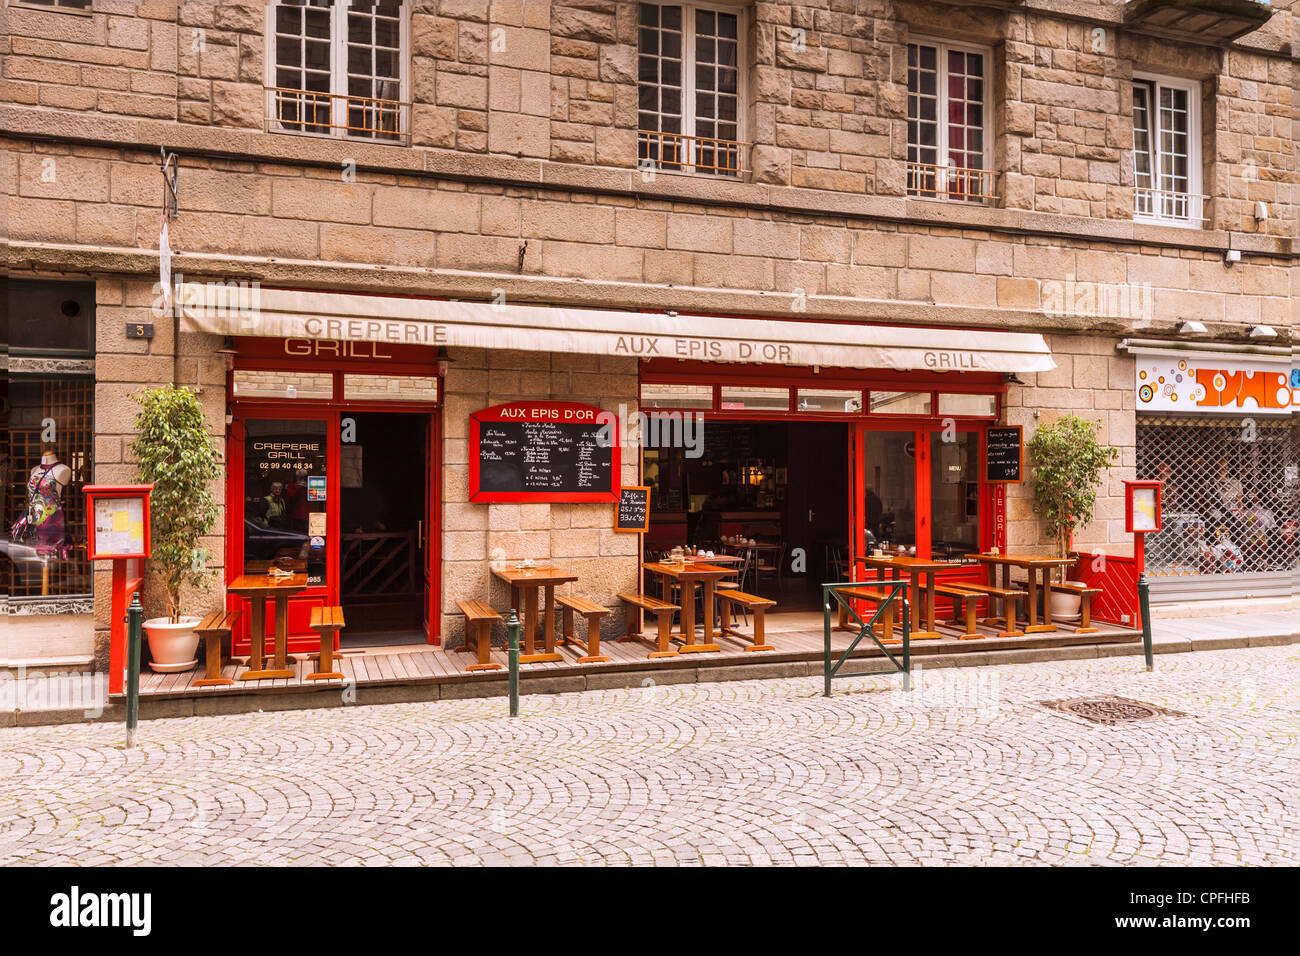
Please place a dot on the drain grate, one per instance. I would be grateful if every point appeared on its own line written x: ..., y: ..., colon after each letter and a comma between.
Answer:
x: 1109, y: 710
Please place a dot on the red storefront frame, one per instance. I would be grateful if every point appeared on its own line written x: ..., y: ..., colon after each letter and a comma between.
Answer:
x: 991, y: 495
x: 336, y: 359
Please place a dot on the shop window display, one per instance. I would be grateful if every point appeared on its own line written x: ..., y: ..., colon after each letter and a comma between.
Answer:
x: 285, y: 497
x: 49, y: 462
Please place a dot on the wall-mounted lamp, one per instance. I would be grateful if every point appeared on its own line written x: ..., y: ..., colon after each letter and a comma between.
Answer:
x: 227, y: 352
x: 1263, y: 332
x: 442, y: 360
x: 1261, y: 211
x: 1231, y: 256
x: 1191, y: 327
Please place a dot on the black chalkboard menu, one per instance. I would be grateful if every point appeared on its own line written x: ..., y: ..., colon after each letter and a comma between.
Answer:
x: 1004, y: 454
x: 543, y: 451
x: 633, y: 511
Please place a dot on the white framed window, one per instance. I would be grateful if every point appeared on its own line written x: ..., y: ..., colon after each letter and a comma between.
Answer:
x: 67, y: 6
x: 948, y: 126
x: 689, y: 77
x: 339, y: 68
x: 1167, y: 151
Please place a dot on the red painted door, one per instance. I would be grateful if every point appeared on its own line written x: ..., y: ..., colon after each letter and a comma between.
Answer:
x: 430, y: 538
x: 283, y: 476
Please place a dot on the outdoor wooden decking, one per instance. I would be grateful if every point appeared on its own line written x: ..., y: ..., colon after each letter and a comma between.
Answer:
x: 796, y: 636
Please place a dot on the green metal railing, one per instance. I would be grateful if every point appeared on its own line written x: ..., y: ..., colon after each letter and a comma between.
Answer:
x: 833, y: 598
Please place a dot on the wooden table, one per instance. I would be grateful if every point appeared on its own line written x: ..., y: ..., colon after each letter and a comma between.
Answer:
x: 688, y: 575
x: 920, y: 573
x: 1032, y: 563
x: 258, y: 588
x: 530, y: 581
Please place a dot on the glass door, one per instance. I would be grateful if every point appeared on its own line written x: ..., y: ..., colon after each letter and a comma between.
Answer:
x: 891, y: 492
x: 282, y: 485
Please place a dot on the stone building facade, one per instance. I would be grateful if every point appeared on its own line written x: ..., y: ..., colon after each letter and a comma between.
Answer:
x: 514, y: 173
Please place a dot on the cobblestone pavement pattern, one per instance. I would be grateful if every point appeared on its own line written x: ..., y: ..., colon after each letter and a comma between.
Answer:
x: 967, y: 768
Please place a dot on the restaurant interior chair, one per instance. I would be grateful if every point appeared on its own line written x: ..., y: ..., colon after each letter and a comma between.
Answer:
x: 735, y: 583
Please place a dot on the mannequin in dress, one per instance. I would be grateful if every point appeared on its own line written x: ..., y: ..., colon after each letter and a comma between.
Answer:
x: 58, y: 470
x: 44, y: 524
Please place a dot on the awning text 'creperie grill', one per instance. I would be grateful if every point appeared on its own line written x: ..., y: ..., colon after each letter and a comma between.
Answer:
x: 293, y: 314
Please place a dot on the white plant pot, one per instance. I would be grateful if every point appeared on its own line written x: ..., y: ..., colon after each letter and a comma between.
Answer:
x: 172, y: 646
x: 1067, y: 606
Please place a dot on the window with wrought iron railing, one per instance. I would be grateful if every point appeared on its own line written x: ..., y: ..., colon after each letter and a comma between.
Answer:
x: 947, y: 132
x: 1166, y: 152
x: 339, y: 68
x: 689, y: 75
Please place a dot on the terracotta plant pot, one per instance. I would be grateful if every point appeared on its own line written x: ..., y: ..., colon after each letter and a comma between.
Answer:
x: 172, y: 646
x: 1067, y: 606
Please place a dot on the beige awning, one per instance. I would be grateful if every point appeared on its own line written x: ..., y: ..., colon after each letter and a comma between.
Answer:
x: 229, y: 309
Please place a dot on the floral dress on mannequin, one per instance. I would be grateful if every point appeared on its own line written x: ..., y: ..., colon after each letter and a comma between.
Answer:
x: 42, y: 527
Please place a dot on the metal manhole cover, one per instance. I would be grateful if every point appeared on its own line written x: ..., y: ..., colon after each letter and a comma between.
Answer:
x: 1109, y: 710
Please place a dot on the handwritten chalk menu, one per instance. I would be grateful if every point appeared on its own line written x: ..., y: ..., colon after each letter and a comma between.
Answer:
x: 543, y: 451
x: 633, y: 511
x: 1003, y: 454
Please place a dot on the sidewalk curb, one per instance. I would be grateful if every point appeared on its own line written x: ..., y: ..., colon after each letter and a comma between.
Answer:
x: 115, y: 711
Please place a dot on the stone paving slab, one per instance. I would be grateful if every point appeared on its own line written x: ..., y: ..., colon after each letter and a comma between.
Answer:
x: 967, y: 768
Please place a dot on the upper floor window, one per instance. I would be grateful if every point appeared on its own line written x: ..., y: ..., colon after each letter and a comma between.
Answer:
x: 339, y: 68
x: 1166, y: 152
x: 947, y: 141
x: 689, y: 88
x: 81, y: 5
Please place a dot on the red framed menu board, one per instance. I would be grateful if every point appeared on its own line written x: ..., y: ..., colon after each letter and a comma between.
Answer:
x: 119, y: 521
x: 543, y: 451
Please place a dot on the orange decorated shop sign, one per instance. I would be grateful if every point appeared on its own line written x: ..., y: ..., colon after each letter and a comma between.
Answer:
x: 1180, y: 383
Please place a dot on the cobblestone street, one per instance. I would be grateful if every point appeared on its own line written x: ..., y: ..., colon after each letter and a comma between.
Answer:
x: 967, y: 768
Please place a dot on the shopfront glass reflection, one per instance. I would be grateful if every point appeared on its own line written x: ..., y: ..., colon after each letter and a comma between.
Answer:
x: 889, y: 511
x: 284, y: 487
x: 954, y: 494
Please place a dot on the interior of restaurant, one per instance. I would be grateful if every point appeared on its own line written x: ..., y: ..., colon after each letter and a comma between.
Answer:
x: 784, y: 486
x: 381, y: 549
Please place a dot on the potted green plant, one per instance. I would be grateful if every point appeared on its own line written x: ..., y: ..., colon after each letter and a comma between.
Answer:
x: 1069, y: 463
x: 178, y: 455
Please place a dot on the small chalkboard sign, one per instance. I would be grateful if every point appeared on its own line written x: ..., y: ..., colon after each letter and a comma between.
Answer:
x: 1004, y: 454
x: 633, y: 512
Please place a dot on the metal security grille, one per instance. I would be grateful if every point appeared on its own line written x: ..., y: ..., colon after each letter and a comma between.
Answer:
x: 1231, y: 494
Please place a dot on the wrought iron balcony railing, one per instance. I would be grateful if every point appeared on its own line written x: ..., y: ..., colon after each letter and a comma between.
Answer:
x: 333, y: 114
x: 674, y: 152
x: 1165, y: 205
x: 950, y: 182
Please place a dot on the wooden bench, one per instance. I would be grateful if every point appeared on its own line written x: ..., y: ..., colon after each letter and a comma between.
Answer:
x: 593, y: 612
x: 750, y: 602
x: 663, y: 612
x: 326, y: 621
x: 1008, y: 597
x: 1085, y: 607
x: 479, y: 616
x: 963, y: 596
x: 870, y: 594
x: 213, y: 629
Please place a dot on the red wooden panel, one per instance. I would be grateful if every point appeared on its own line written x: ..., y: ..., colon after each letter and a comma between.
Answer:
x: 1117, y: 576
